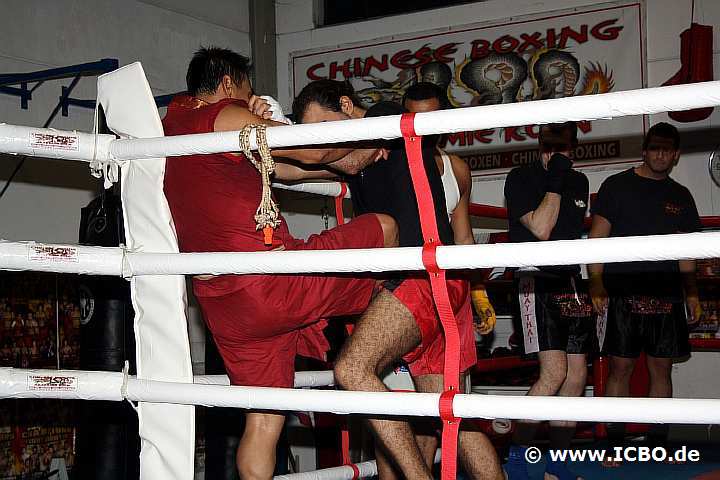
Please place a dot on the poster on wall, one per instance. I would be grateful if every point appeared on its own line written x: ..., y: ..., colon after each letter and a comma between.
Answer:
x: 584, y: 51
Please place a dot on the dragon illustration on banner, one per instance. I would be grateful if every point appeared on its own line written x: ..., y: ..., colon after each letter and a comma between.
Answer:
x: 498, y: 78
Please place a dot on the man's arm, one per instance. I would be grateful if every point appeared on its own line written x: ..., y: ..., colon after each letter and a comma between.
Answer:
x: 601, y: 228
x: 462, y: 230
x: 351, y: 164
x: 288, y: 171
x: 236, y: 117
x: 692, y: 299
x: 543, y: 219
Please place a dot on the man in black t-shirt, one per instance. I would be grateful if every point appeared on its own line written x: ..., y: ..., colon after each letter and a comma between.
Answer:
x: 643, y: 301
x: 401, y: 322
x: 547, y: 200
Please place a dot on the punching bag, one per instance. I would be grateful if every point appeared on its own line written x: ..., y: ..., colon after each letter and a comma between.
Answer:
x: 108, y: 444
x: 696, y: 65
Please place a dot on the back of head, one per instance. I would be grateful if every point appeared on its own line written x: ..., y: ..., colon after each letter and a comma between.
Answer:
x: 663, y: 130
x: 558, y: 137
x: 210, y: 64
x: 326, y: 93
x: 426, y: 91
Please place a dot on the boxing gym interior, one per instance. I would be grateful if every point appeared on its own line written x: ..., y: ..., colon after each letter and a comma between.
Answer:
x: 571, y: 286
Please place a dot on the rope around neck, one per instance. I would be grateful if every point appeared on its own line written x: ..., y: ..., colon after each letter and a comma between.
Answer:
x: 267, y: 214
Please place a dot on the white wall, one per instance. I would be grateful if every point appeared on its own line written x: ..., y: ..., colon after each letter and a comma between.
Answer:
x: 666, y: 19
x: 45, y: 200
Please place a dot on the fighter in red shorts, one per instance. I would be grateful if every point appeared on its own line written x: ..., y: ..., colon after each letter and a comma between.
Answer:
x: 401, y: 321
x: 259, y: 322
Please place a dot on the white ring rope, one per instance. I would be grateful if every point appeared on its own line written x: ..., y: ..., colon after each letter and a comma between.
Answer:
x: 326, y: 189
x: 343, y: 472
x: 24, y: 140
x: 306, y: 379
x: 116, y: 261
x: 71, y: 384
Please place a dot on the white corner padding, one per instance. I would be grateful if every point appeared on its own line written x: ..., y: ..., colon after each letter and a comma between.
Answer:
x: 167, y: 432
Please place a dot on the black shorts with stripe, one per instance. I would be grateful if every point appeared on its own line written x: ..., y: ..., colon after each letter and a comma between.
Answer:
x: 553, y: 314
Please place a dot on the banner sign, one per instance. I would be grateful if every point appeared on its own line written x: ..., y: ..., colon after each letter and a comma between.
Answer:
x: 549, y: 55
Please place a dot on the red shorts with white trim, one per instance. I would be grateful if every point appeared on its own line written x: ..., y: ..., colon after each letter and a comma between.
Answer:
x: 429, y: 357
x: 266, y: 320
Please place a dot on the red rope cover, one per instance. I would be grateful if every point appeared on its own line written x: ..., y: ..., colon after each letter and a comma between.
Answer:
x: 431, y: 237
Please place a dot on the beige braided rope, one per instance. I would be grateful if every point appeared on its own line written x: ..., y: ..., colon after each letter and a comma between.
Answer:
x: 267, y: 213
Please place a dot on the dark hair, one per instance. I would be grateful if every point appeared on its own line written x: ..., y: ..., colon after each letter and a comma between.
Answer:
x: 210, y: 64
x: 426, y: 91
x: 325, y: 93
x: 663, y: 130
x: 554, y: 136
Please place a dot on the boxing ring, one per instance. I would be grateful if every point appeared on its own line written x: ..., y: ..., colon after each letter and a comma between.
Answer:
x: 165, y: 387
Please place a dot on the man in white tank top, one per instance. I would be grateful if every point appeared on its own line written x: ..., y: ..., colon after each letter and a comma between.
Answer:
x: 426, y: 97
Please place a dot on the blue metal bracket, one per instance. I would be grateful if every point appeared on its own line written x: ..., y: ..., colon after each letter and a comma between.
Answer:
x: 38, y: 78
x: 16, y: 84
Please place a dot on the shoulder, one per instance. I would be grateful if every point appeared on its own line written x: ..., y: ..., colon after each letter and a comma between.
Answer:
x: 516, y: 176
x: 518, y: 173
x: 461, y: 170
x: 617, y: 180
x: 233, y: 115
x: 680, y: 190
x: 459, y: 166
x: 579, y: 177
x: 382, y: 109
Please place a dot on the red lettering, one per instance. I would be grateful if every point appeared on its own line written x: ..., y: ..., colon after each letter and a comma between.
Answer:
x: 532, y: 131
x: 357, y: 66
x: 482, y: 135
x: 529, y: 41
x: 424, y: 56
x: 311, y: 71
x: 480, y: 49
x: 551, y: 40
x: 512, y: 134
x: 505, y: 44
x: 400, y: 59
x: 601, y: 33
x: 567, y: 33
x: 457, y: 139
x: 371, y: 62
x: 344, y: 68
x: 443, y: 52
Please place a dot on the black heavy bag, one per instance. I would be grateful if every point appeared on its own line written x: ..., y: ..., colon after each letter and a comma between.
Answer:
x: 108, y: 441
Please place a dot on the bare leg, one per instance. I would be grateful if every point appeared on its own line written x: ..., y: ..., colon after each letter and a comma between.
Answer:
x: 660, y: 372
x: 385, y: 468
x: 476, y: 452
x: 574, y: 385
x: 256, y: 452
x: 385, y: 332
x: 618, y: 385
x: 427, y: 441
x: 553, y: 371
x: 618, y: 382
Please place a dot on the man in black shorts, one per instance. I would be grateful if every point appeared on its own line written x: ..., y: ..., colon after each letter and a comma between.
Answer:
x: 644, y: 301
x: 547, y: 200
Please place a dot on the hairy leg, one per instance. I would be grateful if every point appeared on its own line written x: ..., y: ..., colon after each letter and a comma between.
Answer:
x: 553, y: 371
x: 476, y: 453
x: 574, y: 385
x: 256, y: 452
x: 620, y: 371
x: 660, y: 373
x: 384, y: 333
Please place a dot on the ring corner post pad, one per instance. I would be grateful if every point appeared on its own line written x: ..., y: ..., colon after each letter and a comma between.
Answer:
x: 163, y: 352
